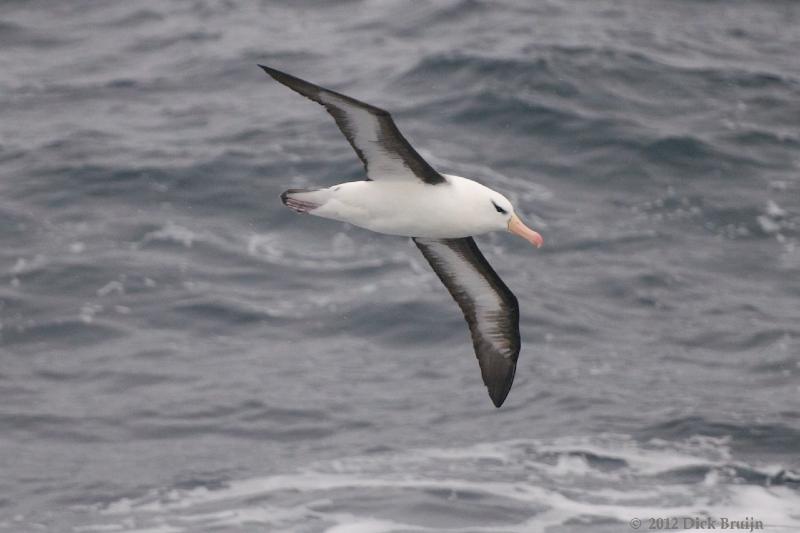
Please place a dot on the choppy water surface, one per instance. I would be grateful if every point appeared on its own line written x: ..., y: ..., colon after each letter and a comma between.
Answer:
x: 181, y: 353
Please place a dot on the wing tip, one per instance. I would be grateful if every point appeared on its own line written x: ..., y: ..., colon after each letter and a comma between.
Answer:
x: 271, y: 71
x: 498, y: 382
x: 499, y: 394
x: 306, y: 88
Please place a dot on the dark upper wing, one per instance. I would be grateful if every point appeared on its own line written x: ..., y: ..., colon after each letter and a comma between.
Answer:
x: 386, y: 154
x: 489, y: 306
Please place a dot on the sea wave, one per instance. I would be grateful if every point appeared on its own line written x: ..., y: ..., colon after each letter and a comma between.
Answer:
x: 523, y: 485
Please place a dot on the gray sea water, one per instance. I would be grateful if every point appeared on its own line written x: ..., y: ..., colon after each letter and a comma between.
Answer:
x: 180, y: 353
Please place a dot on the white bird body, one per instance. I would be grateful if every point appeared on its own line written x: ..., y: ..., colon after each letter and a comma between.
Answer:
x: 459, y: 208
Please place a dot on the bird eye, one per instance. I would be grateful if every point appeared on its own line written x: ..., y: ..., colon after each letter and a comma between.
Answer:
x: 498, y: 208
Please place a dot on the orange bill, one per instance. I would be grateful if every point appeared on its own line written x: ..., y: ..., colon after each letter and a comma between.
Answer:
x: 516, y: 227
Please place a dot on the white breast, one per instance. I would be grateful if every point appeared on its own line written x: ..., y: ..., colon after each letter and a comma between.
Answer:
x: 412, y: 209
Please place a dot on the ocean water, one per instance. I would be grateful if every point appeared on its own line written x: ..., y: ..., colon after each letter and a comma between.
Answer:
x: 180, y: 353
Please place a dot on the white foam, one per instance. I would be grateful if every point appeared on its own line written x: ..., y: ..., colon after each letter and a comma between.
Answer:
x: 768, y: 225
x: 774, y: 210
x: 339, y: 254
x: 23, y: 265
x: 77, y: 247
x: 88, y: 311
x: 371, y: 526
x: 111, y: 287
x: 557, y: 480
x: 172, y: 232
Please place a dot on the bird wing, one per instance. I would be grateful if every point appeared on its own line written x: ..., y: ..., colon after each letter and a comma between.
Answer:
x: 489, y: 306
x: 386, y: 154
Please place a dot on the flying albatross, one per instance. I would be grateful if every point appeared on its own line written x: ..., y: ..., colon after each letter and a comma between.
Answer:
x: 404, y: 195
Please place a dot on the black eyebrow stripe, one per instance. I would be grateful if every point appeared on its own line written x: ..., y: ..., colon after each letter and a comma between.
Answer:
x: 498, y: 208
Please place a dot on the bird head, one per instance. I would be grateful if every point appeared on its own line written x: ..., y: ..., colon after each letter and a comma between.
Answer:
x: 507, y: 219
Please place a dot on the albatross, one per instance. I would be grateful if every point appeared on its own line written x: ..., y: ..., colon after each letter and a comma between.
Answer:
x: 404, y: 195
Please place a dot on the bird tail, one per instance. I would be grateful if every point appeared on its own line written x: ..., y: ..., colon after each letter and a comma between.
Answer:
x: 304, y: 200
